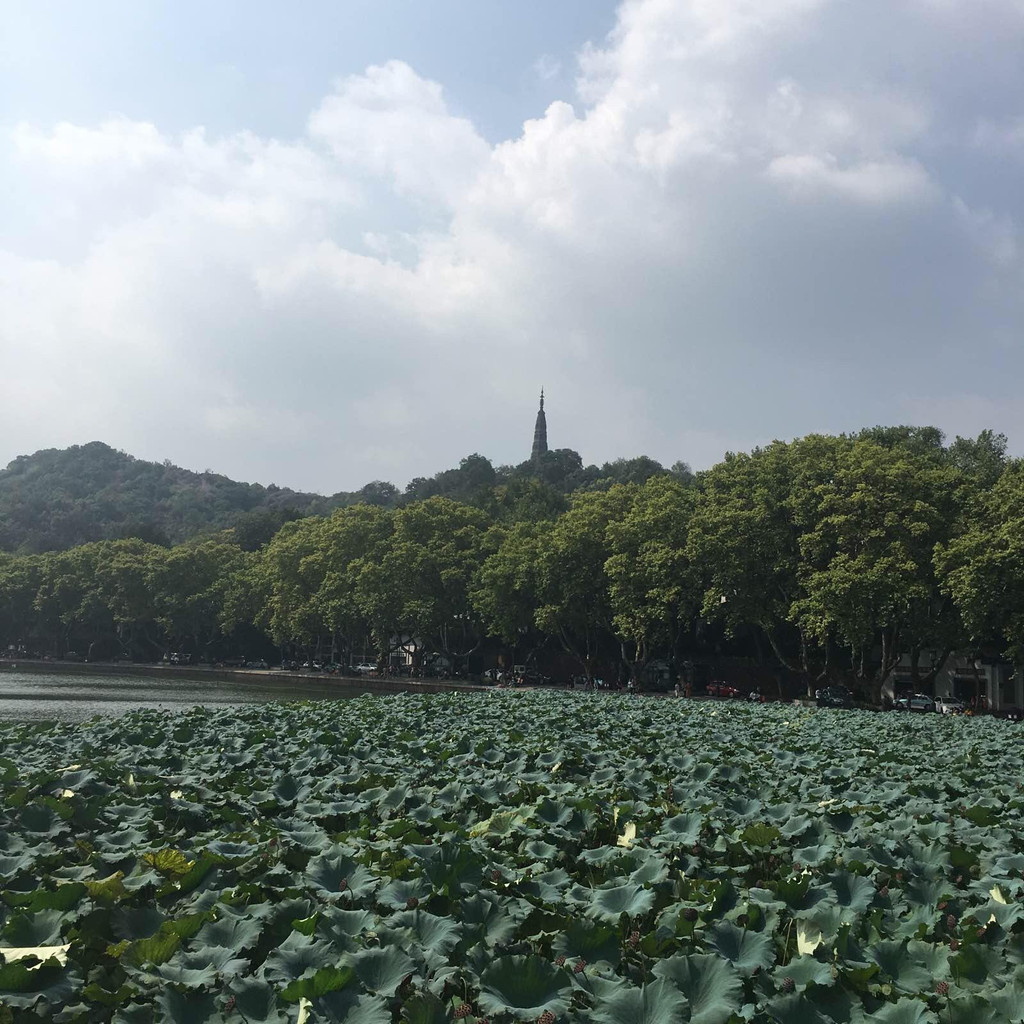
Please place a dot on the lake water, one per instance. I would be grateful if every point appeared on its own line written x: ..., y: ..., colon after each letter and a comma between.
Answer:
x: 34, y: 696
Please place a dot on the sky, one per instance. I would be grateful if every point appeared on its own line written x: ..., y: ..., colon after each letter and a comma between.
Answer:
x: 324, y: 243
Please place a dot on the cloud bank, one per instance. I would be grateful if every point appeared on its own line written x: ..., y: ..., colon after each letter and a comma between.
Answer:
x: 754, y: 218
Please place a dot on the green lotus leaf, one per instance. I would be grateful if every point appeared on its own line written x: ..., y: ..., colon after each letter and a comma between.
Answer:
x: 15, y: 863
x: 196, y: 970
x: 1009, y: 1001
x: 296, y: 955
x: 335, y: 874
x: 454, y: 868
x: 176, y: 1007
x: 853, y: 892
x: 40, y: 820
x: 524, y: 986
x: 319, y: 983
x: 552, y: 814
x: 435, y: 934
x: 396, y: 894
x: 609, y: 904
x: 231, y: 851
x: 657, y: 1003
x: 288, y: 790
x: 40, y: 929
x: 896, y: 962
x: 651, y: 871
x: 424, y: 1008
x: 814, y: 855
x: 683, y: 829
x: 760, y: 835
x: 590, y: 941
x: 976, y: 963
x: 346, y: 1007
x: 236, y: 933
x: 383, y: 970
x: 747, y: 951
x: 711, y: 985
x: 134, y: 1013
x: 804, y: 971
x: 537, y: 849
x: 1006, y: 915
x: 256, y: 1001
x: 485, y: 921
x: 903, y: 1011
x: 796, y: 1009
x: 338, y: 924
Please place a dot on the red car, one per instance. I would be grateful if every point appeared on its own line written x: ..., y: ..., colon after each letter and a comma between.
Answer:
x: 720, y: 689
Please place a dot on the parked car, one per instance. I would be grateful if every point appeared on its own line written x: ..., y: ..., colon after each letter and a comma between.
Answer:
x: 716, y: 688
x: 834, y: 697
x: 364, y: 668
x: 916, y: 702
x: 950, y: 705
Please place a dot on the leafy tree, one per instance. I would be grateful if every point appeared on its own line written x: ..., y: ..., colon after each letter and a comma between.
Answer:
x: 982, y: 460
x: 20, y: 579
x: 653, y: 589
x: 416, y: 583
x: 288, y: 577
x: 69, y: 600
x: 508, y: 588
x: 868, y: 533
x: 982, y: 567
x: 575, y: 604
x: 125, y: 570
x: 191, y: 588
x: 744, y: 546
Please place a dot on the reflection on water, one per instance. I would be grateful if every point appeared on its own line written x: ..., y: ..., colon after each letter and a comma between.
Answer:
x: 37, y: 696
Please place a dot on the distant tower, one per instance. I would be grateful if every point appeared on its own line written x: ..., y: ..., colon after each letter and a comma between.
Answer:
x: 540, y: 433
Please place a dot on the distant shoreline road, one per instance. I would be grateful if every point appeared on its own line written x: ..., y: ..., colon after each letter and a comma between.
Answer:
x: 361, y: 684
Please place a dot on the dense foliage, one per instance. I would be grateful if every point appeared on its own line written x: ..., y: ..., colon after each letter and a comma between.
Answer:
x: 598, y: 859
x: 57, y: 499
x: 825, y: 557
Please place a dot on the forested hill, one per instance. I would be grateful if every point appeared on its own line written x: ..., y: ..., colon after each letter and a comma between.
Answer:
x: 59, y: 498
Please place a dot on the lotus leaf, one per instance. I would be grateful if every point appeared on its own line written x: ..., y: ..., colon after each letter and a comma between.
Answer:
x: 524, y: 986
x: 657, y: 1003
x: 610, y: 904
x: 711, y: 985
x: 747, y: 951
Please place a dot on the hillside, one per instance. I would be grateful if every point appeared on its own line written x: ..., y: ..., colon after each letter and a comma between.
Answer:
x: 58, y: 498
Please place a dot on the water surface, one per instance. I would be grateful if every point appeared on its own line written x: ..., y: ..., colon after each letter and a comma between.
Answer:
x: 35, y: 696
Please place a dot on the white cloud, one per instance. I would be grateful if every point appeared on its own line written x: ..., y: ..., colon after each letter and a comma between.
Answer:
x: 392, y: 123
x: 741, y: 214
x: 871, y: 182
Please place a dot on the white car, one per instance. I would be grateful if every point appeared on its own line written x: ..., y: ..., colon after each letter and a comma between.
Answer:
x: 950, y: 705
x: 364, y: 668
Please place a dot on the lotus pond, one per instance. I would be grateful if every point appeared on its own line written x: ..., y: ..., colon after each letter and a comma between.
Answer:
x: 512, y: 856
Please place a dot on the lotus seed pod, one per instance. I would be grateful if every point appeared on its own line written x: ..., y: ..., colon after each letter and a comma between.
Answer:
x: 942, y: 988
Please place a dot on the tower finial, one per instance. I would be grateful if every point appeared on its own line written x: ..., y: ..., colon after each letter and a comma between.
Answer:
x: 540, y: 433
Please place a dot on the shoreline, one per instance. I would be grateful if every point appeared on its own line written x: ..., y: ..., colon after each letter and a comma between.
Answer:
x: 361, y: 684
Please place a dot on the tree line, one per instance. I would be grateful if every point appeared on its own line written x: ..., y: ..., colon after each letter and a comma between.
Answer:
x: 831, y: 557
x: 60, y: 498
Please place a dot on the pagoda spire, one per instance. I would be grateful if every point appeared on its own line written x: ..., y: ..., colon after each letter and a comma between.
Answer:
x: 540, y: 433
